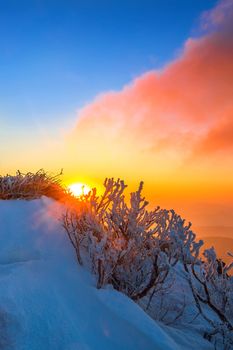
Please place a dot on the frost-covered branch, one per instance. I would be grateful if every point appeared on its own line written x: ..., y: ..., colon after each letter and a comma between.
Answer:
x: 139, y: 252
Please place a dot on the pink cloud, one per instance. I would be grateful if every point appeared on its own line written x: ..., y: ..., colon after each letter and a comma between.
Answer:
x: 218, y: 139
x: 218, y: 16
x: 185, y: 108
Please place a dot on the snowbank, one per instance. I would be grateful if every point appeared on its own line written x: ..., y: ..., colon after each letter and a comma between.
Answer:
x: 48, y: 302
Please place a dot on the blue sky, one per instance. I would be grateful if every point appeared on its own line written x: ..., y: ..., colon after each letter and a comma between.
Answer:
x: 55, y: 56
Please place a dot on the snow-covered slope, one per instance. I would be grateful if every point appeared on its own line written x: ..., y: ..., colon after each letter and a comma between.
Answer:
x: 48, y: 302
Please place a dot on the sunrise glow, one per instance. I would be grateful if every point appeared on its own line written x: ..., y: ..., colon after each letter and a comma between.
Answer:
x: 164, y: 116
x: 79, y: 189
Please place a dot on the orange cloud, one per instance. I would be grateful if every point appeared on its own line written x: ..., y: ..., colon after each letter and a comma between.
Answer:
x: 172, y: 128
x: 174, y: 110
x: 218, y: 140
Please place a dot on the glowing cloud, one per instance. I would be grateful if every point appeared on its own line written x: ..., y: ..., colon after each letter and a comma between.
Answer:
x: 175, y: 109
x: 165, y: 119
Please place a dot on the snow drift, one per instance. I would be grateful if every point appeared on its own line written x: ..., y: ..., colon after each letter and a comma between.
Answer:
x: 48, y: 302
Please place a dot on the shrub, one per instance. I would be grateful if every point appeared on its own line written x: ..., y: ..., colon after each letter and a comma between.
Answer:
x: 136, y: 251
x: 212, y: 289
x: 31, y: 186
x: 127, y: 245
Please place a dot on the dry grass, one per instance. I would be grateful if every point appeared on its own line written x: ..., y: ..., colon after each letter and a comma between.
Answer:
x: 31, y: 186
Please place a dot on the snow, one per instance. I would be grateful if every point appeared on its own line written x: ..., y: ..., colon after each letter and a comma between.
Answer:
x: 47, y: 301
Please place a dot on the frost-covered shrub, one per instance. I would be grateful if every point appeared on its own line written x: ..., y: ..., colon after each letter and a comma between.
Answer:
x: 30, y: 186
x: 147, y: 255
x: 212, y: 289
x: 127, y: 245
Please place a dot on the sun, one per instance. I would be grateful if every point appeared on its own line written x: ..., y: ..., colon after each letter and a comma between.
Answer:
x: 78, y: 189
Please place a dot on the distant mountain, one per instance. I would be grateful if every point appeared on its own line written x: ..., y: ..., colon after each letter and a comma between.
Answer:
x: 220, y: 237
x: 213, y: 231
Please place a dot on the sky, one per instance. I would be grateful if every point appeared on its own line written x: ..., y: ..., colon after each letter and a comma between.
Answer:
x: 140, y: 90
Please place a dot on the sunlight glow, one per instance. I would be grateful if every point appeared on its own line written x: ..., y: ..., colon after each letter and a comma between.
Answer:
x: 79, y: 189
